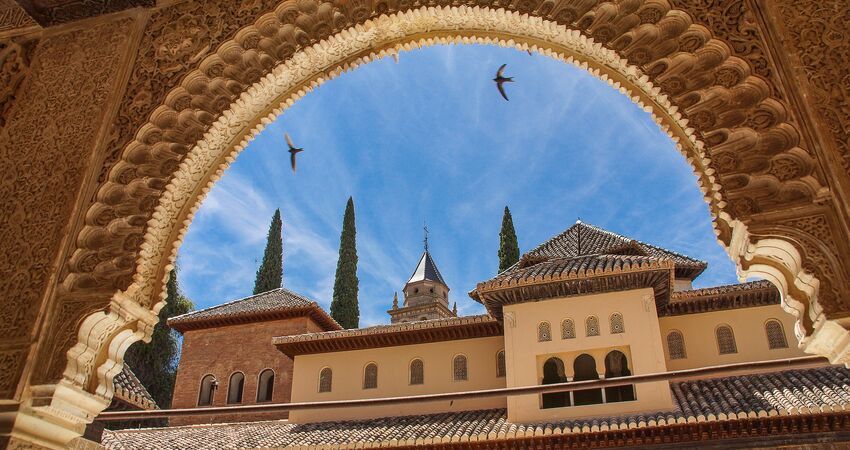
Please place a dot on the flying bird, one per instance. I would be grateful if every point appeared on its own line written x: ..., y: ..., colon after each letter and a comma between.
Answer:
x: 501, y: 80
x: 293, y: 150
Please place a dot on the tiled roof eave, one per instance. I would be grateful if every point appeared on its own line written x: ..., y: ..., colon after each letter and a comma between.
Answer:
x: 393, y: 335
x: 313, y: 311
x: 659, y: 278
x: 497, y: 284
x: 722, y: 298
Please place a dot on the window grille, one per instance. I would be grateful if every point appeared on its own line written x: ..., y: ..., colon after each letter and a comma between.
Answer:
x: 459, y: 368
x: 370, y: 376
x: 676, y: 345
x: 617, y: 325
x: 726, y: 340
x: 568, y: 329
x: 592, y: 326
x: 775, y: 334
x: 544, y: 332
x: 500, y: 364
x: 325, y: 379
x: 417, y: 372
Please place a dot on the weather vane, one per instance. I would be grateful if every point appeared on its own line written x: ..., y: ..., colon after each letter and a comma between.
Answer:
x: 425, y: 227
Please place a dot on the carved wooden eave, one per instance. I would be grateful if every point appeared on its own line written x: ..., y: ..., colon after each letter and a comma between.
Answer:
x: 313, y: 311
x: 409, y: 333
x: 569, y: 277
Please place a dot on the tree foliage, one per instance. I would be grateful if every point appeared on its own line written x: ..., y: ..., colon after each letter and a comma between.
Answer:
x: 155, y: 362
x: 270, y: 273
x: 344, y: 307
x: 508, y: 246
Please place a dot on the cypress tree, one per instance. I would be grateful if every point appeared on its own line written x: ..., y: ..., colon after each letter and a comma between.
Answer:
x: 155, y: 362
x: 508, y: 247
x: 270, y: 273
x: 344, y: 307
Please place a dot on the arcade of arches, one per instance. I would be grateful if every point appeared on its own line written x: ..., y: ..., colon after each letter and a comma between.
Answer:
x: 116, y: 117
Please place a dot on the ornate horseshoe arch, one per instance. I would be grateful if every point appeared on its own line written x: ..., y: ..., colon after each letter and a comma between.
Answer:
x: 738, y: 138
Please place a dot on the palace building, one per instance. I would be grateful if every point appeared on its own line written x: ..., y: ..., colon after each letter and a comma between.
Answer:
x: 587, y: 304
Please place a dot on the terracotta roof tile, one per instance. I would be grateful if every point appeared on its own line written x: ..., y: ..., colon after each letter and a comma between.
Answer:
x: 416, y: 332
x: 269, y: 303
x: 793, y: 392
x: 585, y: 239
x: 719, y: 298
x: 129, y: 389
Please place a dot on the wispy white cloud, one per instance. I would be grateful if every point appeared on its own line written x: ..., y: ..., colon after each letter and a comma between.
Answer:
x: 429, y: 139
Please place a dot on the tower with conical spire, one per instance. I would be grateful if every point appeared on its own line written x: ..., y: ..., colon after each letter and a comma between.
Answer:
x: 426, y: 295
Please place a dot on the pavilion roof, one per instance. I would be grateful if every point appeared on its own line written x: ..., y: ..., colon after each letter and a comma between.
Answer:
x: 274, y: 304
x: 748, y: 406
x: 539, y: 278
x: 426, y: 269
x: 586, y: 239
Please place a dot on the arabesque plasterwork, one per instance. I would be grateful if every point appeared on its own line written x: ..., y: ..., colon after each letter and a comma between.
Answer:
x: 207, y: 78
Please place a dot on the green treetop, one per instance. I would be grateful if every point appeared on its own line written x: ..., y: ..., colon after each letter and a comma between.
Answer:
x: 155, y: 362
x: 344, y: 307
x: 508, y: 247
x: 270, y: 273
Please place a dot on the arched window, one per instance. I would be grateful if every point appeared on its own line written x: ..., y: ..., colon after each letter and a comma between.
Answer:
x: 591, y: 325
x: 725, y: 340
x: 234, y: 388
x: 370, y: 376
x: 553, y: 372
x: 265, y: 386
x: 676, y: 345
x: 459, y: 368
x: 325, y: 379
x: 775, y: 334
x: 205, y: 395
x: 617, y: 325
x: 617, y: 365
x: 500, y: 364
x: 417, y: 372
x: 544, y: 332
x: 585, y: 369
x: 568, y: 329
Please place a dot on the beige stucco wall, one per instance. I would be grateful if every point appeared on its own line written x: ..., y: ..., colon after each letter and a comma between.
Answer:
x: 393, y: 378
x: 747, y: 326
x: 640, y: 342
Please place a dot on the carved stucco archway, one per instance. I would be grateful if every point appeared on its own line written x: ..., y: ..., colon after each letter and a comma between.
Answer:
x: 727, y: 121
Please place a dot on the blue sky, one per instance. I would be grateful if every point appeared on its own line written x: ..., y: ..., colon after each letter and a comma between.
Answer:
x: 430, y: 139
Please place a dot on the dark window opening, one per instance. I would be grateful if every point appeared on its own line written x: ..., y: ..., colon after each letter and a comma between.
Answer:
x: 617, y: 365
x: 585, y: 369
x: 265, y: 386
x: 553, y: 373
x: 234, y: 389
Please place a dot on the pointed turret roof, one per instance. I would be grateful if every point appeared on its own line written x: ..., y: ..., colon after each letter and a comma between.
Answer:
x: 426, y: 270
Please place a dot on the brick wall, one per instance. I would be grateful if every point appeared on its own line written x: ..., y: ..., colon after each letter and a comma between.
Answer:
x: 246, y: 348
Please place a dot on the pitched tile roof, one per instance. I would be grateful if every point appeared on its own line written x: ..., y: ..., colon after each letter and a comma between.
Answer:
x: 719, y: 298
x: 537, y: 278
x: 788, y: 393
x: 586, y: 239
x: 272, y: 304
x: 426, y: 269
x: 129, y: 389
x: 418, y: 332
